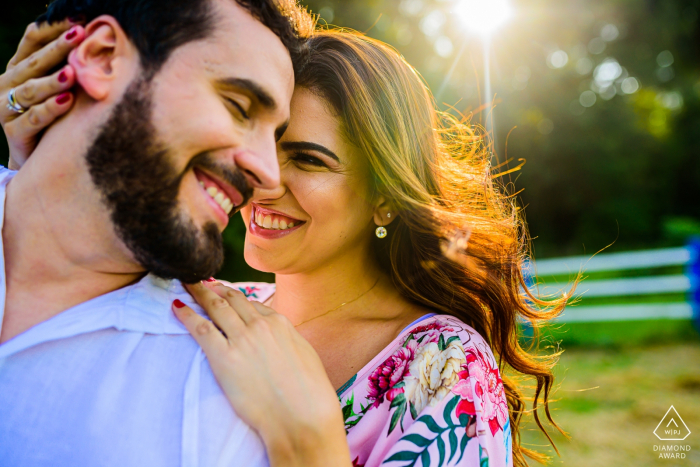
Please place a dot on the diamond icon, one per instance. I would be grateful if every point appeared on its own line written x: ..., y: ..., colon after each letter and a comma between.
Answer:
x: 672, y: 427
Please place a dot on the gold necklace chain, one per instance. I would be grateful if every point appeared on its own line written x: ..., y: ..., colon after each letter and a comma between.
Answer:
x: 332, y: 309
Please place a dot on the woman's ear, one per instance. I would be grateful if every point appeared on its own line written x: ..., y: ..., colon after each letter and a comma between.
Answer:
x: 383, y: 213
x: 103, y: 57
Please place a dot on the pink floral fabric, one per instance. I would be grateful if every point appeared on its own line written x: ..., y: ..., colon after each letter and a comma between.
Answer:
x: 387, y: 375
x: 434, y: 398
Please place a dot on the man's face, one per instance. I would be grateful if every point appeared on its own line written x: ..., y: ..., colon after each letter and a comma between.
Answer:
x: 183, y: 151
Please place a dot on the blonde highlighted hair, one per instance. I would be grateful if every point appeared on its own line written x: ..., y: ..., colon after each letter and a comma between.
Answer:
x: 435, y: 169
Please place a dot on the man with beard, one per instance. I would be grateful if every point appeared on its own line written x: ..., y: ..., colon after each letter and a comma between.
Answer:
x: 174, y: 123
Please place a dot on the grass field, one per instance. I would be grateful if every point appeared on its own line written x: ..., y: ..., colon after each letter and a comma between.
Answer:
x: 615, y: 383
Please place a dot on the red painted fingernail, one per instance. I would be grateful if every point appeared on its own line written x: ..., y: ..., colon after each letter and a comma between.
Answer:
x: 63, y: 98
x: 72, y: 32
x: 211, y: 279
x: 62, y: 77
x: 178, y: 303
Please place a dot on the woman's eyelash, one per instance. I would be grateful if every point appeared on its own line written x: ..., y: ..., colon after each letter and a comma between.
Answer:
x: 238, y: 106
x: 304, y: 158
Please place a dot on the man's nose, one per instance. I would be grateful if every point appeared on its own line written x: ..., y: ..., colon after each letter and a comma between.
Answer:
x: 260, y: 167
x: 273, y: 194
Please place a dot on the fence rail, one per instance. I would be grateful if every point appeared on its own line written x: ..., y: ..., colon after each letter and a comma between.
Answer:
x: 580, y: 314
x: 618, y: 261
x: 633, y: 288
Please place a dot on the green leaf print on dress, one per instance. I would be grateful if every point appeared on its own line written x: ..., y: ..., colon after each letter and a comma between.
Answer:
x: 444, y: 449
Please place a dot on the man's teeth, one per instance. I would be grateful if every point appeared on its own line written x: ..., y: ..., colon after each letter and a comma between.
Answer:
x: 272, y: 222
x: 220, y: 198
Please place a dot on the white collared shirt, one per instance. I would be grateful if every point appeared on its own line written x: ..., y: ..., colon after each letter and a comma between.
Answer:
x: 117, y: 382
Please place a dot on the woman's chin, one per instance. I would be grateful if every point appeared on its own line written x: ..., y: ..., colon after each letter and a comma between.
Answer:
x: 262, y: 260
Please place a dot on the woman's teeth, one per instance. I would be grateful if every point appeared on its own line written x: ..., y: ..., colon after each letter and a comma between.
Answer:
x: 272, y: 222
x: 220, y: 198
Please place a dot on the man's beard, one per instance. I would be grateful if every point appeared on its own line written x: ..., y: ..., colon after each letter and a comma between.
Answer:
x: 140, y: 186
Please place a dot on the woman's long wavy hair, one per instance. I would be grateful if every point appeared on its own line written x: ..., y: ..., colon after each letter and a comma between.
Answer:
x: 436, y: 171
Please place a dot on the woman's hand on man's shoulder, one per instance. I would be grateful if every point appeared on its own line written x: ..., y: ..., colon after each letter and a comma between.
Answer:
x: 270, y: 374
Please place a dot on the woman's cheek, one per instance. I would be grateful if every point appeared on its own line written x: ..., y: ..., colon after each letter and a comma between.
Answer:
x: 320, y: 194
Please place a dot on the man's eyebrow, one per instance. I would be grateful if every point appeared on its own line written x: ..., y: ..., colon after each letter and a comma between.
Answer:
x: 308, y: 146
x: 260, y: 94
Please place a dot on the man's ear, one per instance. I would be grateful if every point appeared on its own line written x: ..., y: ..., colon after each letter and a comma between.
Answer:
x: 104, y: 56
x: 383, y: 213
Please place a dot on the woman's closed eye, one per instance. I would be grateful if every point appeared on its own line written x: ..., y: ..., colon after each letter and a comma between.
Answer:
x: 302, y: 158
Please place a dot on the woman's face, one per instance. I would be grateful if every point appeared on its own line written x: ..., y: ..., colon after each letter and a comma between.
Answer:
x: 321, y: 215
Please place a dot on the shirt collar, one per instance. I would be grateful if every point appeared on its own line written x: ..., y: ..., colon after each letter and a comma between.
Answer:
x: 144, y: 307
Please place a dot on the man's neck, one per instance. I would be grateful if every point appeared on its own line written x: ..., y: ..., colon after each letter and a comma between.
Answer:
x: 58, y: 252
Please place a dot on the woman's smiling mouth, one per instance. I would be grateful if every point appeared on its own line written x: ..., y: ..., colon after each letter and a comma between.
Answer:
x: 270, y: 224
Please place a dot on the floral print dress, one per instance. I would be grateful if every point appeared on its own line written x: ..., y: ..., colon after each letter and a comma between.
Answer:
x: 433, y: 398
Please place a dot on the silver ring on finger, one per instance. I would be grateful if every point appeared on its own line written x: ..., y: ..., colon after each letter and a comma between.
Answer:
x: 12, y: 103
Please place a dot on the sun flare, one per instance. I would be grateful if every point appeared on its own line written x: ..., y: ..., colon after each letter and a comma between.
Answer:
x: 483, y: 16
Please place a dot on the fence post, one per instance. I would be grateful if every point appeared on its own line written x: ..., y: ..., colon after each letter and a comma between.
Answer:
x: 693, y: 272
x: 528, y: 275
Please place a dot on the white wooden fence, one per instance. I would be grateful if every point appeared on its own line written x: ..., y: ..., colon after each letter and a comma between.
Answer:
x: 687, y: 283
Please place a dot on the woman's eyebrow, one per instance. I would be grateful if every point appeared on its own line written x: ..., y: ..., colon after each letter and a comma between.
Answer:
x: 309, y: 146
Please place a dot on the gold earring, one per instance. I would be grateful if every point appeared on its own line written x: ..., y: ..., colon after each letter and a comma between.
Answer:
x: 381, y: 232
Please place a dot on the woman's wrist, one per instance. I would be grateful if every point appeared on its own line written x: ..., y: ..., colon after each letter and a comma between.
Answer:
x: 309, y: 446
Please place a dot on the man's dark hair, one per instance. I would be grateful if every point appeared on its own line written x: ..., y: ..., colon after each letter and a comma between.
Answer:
x: 157, y: 27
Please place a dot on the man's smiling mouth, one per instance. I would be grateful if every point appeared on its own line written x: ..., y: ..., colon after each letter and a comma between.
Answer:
x: 218, y: 196
x: 215, y: 192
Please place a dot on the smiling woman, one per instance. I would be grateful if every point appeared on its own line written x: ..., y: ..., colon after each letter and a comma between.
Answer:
x: 398, y: 257
x: 325, y: 194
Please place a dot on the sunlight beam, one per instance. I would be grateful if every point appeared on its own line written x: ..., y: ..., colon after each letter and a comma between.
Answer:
x: 483, y: 17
